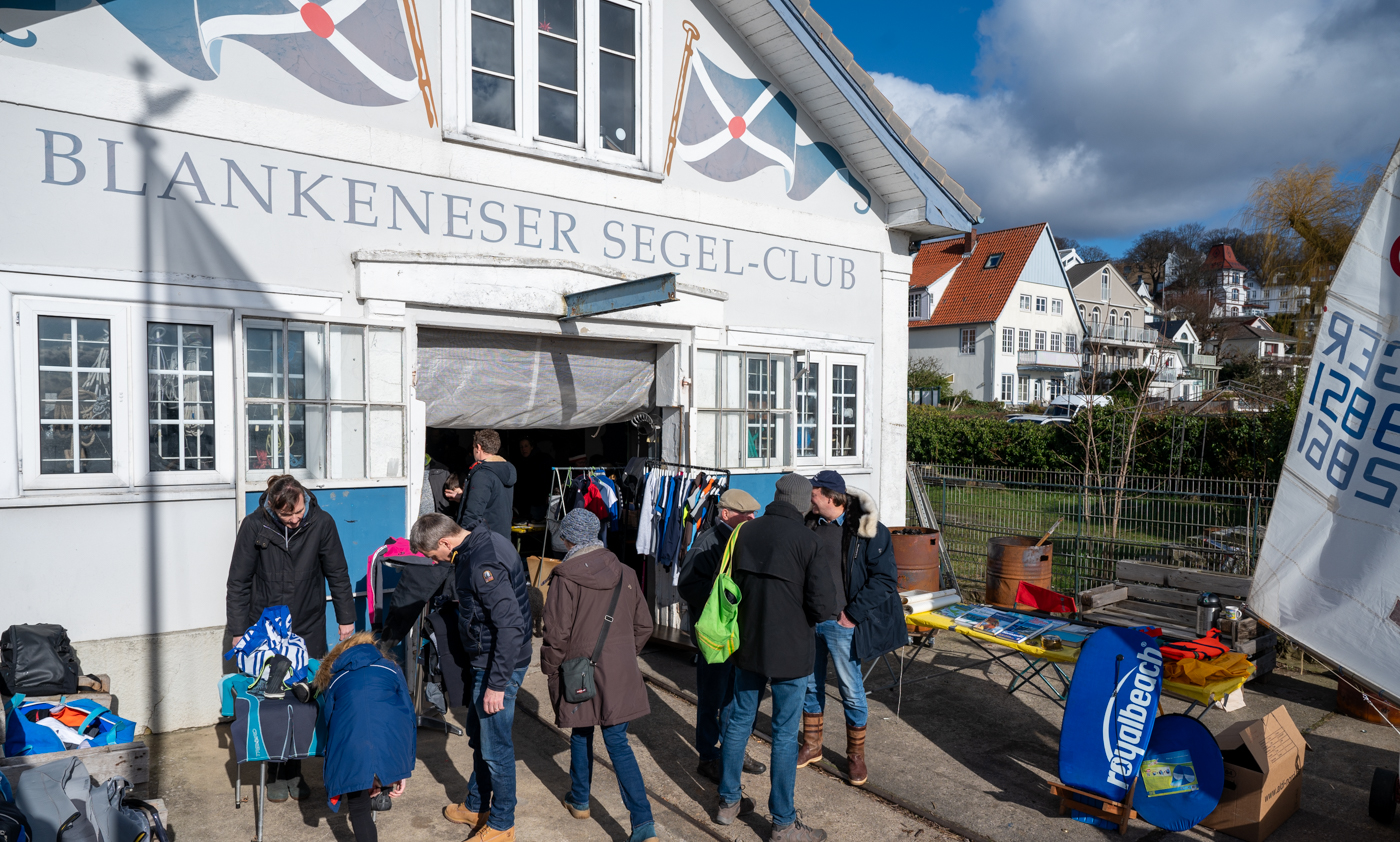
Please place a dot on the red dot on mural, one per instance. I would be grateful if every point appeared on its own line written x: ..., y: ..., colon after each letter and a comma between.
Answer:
x: 317, y: 20
x: 737, y: 126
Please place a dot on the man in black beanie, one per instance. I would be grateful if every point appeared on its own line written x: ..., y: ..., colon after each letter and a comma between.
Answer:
x: 785, y: 593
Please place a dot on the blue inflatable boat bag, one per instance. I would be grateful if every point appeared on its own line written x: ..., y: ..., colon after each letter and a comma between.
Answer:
x: 95, y: 725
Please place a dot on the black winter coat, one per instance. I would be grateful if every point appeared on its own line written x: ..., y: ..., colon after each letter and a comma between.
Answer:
x: 490, y: 496
x: 701, y: 564
x: 493, y: 612
x: 784, y: 594
x: 871, y: 580
x: 274, y: 565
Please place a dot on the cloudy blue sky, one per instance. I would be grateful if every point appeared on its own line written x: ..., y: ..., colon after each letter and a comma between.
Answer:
x: 1107, y: 118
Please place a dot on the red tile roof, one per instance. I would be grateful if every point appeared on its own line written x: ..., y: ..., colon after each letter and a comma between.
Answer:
x: 1223, y: 257
x: 975, y: 294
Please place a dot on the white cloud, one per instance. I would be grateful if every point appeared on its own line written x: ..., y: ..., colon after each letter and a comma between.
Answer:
x: 1106, y: 118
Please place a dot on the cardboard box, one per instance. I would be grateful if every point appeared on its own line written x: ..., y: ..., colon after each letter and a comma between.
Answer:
x: 1263, y: 776
x: 537, y: 570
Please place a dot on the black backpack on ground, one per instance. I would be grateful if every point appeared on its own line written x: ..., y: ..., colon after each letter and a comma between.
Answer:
x: 38, y: 660
x: 14, y: 827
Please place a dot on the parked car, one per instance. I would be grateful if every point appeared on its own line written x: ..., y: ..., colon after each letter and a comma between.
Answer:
x: 1063, y: 409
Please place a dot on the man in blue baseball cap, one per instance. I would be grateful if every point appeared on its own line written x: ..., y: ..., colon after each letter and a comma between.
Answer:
x: 858, y: 557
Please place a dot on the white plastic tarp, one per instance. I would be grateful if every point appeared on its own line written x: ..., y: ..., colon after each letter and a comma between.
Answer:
x: 1329, y: 570
x: 471, y: 380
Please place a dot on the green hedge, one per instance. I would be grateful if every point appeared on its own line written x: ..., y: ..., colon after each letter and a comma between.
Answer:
x: 1237, y: 446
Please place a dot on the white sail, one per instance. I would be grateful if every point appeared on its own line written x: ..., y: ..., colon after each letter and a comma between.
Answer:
x: 1329, y: 569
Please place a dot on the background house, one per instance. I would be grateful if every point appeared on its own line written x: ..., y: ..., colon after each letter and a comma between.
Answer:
x: 1116, y: 335
x: 997, y: 313
x: 1253, y: 336
x: 1199, y: 370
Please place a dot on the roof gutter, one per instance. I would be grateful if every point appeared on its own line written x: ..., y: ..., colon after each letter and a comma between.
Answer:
x: 940, y: 208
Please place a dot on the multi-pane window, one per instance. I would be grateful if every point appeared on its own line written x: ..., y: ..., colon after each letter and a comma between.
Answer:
x: 1103, y: 284
x: 807, y: 404
x: 1008, y: 382
x: 1008, y: 340
x: 1070, y: 342
x: 967, y: 341
x: 1023, y: 386
x: 1024, y: 341
x: 493, y: 71
x: 843, y: 410
x: 324, y: 399
x: 744, y: 403
x: 1040, y: 340
x: 1041, y: 305
x: 180, y: 392
x: 1057, y: 388
x: 581, y: 66
x: 75, y: 395
x: 1057, y: 307
x: 559, y: 70
x: 1054, y: 342
x: 1026, y: 303
x: 914, y: 306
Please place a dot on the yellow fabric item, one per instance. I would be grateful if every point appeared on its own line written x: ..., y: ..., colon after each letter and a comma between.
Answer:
x: 1227, y: 666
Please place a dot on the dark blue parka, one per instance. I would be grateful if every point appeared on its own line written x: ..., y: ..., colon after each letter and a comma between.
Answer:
x: 371, y: 729
x: 493, y: 615
x: 871, y: 580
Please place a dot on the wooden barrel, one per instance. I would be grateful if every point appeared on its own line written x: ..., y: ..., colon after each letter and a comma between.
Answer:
x: 1350, y: 702
x: 1011, y: 561
x: 916, y: 557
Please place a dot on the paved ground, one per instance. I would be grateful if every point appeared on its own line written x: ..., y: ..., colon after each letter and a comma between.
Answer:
x: 193, y: 771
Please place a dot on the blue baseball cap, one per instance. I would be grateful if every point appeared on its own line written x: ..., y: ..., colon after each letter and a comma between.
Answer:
x: 829, y: 480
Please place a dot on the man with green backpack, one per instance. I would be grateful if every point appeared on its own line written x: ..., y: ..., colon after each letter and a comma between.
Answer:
x: 714, y: 683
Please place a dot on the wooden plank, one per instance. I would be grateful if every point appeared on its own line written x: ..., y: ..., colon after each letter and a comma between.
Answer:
x: 1259, y: 645
x: 1109, y: 617
x: 1172, y: 596
x: 1175, y: 616
x: 1199, y: 581
x: 129, y: 760
x: 1101, y: 596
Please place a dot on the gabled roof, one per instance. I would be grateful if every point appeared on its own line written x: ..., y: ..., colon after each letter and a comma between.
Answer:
x: 975, y: 294
x: 1246, y: 331
x: 821, y: 75
x: 1171, y: 326
x: 1223, y: 257
x: 1084, y: 270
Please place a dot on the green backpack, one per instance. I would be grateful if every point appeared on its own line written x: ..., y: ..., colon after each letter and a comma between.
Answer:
x: 717, y: 630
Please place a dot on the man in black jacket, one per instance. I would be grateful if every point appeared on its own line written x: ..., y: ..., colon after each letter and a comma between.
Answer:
x: 490, y: 487
x: 493, y: 618
x: 287, y: 552
x: 714, y: 683
x: 857, y: 551
x: 784, y: 594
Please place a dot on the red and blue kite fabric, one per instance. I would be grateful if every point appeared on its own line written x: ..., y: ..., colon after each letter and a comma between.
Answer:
x: 732, y: 127
x: 353, y: 51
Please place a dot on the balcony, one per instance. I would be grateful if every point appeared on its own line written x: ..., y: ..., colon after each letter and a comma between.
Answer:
x: 1203, y: 361
x: 1058, y: 360
x: 1100, y: 332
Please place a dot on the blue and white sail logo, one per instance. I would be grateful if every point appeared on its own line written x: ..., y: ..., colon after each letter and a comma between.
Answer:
x: 1128, y: 717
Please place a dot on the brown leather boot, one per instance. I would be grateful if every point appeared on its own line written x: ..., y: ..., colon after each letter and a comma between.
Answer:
x: 459, y: 814
x: 811, y: 748
x: 855, y: 754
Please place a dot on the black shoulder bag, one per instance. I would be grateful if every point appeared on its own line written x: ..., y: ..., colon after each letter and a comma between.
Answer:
x: 576, y: 674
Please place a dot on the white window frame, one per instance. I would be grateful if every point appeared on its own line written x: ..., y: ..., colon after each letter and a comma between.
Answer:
x: 1008, y: 340
x: 1025, y: 304
x: 1042, y: 305
x: 1057, y: 307
x: 1008, y: 388
x: 1104, y: 292
x: 1055, y: 341
x: 831, y: 360
x: 225, y: 401
x: 1040, y: 344
x: 457, y: 124
x: 1023, y: 340
x: 119, y: 316
x: 1071, y: 343
x: 967, y: 341
x: 786, y: 390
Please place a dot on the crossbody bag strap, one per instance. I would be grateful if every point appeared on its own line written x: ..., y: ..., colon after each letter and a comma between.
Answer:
x: 607, y: 623
x: 726, y: 565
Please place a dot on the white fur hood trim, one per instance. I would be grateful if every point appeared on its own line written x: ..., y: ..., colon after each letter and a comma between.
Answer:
x: 869, y: 512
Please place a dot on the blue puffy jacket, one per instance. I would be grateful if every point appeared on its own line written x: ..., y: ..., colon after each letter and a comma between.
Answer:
x: 371, y: 729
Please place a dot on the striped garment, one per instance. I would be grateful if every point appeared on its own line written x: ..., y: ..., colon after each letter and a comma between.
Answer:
x: 271, y: 635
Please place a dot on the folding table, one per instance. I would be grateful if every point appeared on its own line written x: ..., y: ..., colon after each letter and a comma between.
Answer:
x: 269, y: 731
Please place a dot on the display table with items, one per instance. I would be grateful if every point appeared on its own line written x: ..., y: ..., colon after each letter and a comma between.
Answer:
x: 268, y: 730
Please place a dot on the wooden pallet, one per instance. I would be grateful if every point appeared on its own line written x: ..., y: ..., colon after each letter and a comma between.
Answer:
x: 128, y: 760
x: 1095, y: 805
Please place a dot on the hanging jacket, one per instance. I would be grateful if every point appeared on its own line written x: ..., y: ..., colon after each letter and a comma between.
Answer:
x: 493, y: 613
x: 579, y: 592
x: 490, y: 496
x: 276, y: 565
x: 370, y: 725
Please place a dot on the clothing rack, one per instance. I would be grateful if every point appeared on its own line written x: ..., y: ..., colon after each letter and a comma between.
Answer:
x: 562, y: 478
x: 661, y: 463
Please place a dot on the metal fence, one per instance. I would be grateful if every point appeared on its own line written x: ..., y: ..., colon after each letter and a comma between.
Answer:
x: 1207, y: 524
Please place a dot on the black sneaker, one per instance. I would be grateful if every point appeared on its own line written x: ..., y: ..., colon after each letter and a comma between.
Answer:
x: 711, y: 769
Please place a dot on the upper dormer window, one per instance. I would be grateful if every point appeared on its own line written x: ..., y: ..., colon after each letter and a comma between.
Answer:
x: 994, y: 260
x: 558, y: 75
x: 1103, y: 284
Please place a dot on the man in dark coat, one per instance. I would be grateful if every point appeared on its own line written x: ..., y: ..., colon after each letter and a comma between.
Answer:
x: 490, y: 487
x: 286, y: 553
x: 857, y: 549
x: 493, y: 616
x: 581, y: 590
x: 714, y: 683
x: 784, y: 594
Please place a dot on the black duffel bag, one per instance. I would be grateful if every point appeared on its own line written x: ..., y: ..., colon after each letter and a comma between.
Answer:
x: 38, y: 660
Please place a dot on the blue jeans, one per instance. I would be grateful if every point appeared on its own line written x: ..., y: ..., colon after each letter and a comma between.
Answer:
x: 782, y: 768
x: 835, y: 638
x: 629, y: 775
x: 492, y: 784
x: 714, y: 687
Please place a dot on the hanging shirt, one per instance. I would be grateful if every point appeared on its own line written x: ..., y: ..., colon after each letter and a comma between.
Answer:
x: 646, y: 514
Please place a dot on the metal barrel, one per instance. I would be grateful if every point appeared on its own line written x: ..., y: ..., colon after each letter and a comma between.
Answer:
x: 916, y: 557
x: 1011, y: 561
